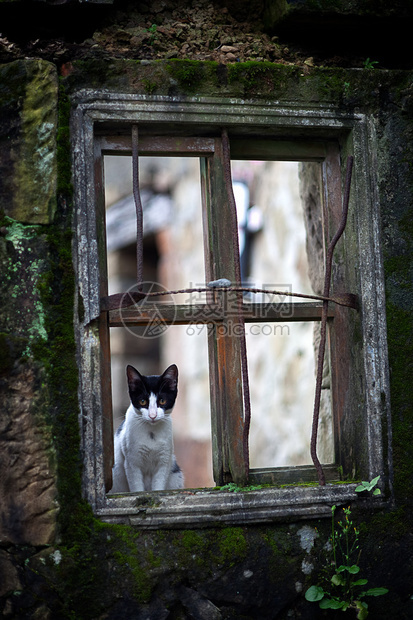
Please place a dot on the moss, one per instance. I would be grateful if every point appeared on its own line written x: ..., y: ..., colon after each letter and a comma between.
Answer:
x: 398, y: 266
x: 23, y: 253
x: 64, y: 171
x: 262, y: 78
x: 133, y: 564
x: 190, y: 74
x: 232, y: 545
x: 193, y: 541
x: 400, y: 342
x: 34, y: 170
x: 204, y: 548
x: 379, y: 8
x: 58, y: 355
x: 394, y: 525
x: 279, y: 542
x: 57, y: 290
x: 149, y: 86
x: 102, y: 558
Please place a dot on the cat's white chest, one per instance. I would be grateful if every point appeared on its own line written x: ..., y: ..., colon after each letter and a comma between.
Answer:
x: 149, y: 443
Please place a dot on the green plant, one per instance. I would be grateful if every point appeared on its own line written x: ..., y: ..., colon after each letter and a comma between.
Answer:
x: 153, y: 32
x: 369, y: 486
x: 234, y: 488
x: 345, y: 588
x: 149, y: 86
x: 369, y: 64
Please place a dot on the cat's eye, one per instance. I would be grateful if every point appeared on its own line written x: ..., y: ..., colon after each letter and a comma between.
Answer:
x: 143, y: 402
x: 162, y: 401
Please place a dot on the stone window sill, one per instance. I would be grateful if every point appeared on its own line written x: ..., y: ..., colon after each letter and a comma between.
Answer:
x: 198, y: 508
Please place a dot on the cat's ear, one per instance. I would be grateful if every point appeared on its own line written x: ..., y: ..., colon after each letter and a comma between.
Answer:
x: 171, y: 376
x: 134, y: 377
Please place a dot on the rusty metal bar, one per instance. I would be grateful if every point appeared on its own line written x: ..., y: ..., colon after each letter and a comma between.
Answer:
x: 321, y: 350
x: 138, y: 206
x: 123, y: 300
x: 208, y: 313
x: 235, y: 242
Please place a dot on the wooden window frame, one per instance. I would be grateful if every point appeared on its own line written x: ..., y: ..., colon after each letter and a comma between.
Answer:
x: 102, y: 125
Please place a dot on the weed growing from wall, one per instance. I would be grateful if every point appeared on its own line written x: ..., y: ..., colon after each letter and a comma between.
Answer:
x: 343, y: 587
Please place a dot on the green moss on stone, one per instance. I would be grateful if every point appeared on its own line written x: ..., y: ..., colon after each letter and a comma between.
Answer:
x: 56, y: 289
x: 64, y: 169
x: 262, y: 78
x: 400, y: 343
x: 57, y: 292
x: 232, y: 545
x: 35, y: 168
x: 189, y: 75
x: 135, y: 566
x: 23, y: 255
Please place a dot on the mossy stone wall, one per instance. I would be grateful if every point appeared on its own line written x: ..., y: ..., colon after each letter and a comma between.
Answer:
x: 56, y: 559
x: 28, y: 102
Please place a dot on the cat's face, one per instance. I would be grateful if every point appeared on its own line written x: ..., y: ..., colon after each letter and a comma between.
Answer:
x: 153, y: 397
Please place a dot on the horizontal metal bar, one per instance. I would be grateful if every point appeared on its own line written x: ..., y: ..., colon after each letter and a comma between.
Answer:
x: 183, y: 314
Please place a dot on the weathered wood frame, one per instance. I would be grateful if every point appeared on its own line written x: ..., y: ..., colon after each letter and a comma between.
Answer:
x: 315, y: 136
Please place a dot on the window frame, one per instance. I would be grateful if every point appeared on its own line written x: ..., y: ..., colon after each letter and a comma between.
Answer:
x: 96, y: 115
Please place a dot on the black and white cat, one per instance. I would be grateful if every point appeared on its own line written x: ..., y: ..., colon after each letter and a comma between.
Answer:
x: 144, y: 451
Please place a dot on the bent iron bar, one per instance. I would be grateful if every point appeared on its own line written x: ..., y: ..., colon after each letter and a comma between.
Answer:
x: 124, y: 300
x: 138, y: 206
x: 321, y: 350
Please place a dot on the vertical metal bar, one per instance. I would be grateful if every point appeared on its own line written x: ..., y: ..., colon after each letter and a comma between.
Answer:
x: 326, y: 293
x: 235, y: 243
x: 138, y: 206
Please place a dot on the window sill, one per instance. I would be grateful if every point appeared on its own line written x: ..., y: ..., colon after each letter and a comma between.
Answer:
x: 198, y: 508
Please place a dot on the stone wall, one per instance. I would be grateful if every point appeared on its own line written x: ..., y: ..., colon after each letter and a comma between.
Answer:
x: 57, y: 560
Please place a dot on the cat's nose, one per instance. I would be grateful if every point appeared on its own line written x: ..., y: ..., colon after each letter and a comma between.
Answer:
x: 152, y: 415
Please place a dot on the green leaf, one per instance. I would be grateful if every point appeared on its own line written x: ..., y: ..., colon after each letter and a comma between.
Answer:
x: 368, y: 486
x: 360, y: 582
x: 332, y: 603
x: 338, y: 580
x: 362, y: 607
x: 314, y: 593
x: 353, y: 570
x: 376, y: 591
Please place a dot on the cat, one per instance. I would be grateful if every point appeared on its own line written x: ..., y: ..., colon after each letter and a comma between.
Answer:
x: 144, y: 451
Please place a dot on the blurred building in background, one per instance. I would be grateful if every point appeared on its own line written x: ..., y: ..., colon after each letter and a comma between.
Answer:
x: 274, y: 254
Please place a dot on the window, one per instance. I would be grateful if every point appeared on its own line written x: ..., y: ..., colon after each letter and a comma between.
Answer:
x: 357, y: 346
